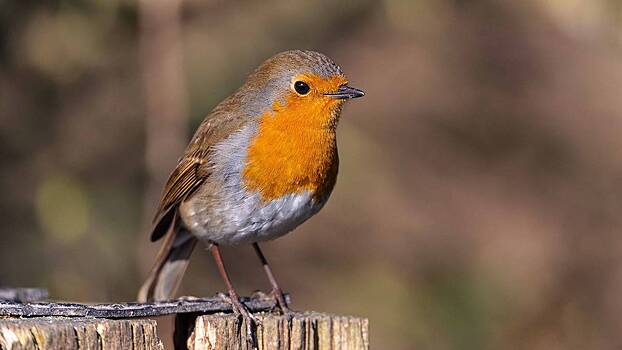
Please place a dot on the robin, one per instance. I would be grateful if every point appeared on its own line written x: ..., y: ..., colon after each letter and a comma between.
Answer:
x: 260, y: 164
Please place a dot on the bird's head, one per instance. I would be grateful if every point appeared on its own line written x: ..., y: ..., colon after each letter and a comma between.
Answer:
x: 296, y: 98
x: 299, y: 84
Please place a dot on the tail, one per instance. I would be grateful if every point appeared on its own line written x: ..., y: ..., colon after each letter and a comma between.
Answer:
x: 171, y: 263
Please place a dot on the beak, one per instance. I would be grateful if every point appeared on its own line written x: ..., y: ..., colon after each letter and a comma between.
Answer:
x: 346, y: 92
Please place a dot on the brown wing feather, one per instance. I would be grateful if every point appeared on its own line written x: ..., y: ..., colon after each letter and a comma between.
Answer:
x: 184, y: 179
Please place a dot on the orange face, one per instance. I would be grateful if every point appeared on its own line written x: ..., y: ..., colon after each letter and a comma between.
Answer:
x: 318, y: 85
x: 313, y: 108
x: 295, y: 146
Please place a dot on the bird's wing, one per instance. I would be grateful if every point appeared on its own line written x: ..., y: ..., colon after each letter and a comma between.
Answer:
x: 183, y: 181
x: 192, y: 169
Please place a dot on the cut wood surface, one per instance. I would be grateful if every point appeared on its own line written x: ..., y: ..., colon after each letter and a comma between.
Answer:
x: 51, y: 333
x: 309, y: 330
x: 127, y: 310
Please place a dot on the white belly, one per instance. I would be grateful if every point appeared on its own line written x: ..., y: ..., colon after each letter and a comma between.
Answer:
x: 271, y: 220
x: 251, y: 220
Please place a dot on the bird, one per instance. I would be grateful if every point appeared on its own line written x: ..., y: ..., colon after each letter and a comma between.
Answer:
x: 261, y: 163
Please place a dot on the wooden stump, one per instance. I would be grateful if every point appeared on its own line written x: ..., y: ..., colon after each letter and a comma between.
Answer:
x: 200, y: 323
x: 304, y: 331
x: 47, y: 333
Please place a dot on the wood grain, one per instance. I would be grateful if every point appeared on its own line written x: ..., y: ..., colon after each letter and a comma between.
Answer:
x: 47, y: 333
x: 309, y: 330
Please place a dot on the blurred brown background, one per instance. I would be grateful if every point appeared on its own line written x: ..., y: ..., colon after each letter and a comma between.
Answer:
x: 479, y: 198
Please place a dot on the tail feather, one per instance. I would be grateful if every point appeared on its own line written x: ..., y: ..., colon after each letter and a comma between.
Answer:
x: 171, y: 263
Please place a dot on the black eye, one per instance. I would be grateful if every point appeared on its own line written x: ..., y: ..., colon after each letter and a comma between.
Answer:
x: 301, y: 87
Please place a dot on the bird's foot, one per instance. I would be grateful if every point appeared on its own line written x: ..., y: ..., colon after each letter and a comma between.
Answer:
x: 248, y: 318
x: 276, y: 296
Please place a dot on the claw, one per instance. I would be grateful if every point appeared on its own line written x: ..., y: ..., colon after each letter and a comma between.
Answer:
x: 279, y: 298
x: 251, y: 322
x: 248, y: 319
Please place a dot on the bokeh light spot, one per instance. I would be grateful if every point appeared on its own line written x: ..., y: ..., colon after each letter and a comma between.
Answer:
x: 62, y: 208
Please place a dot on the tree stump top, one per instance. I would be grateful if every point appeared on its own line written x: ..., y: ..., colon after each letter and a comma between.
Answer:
x: 200, y: 324
x: 129, y: 310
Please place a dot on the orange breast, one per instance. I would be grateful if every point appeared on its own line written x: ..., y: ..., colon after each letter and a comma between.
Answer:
x: 295, y: 148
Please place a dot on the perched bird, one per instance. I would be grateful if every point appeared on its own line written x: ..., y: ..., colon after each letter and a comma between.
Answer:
x: 260, y: 164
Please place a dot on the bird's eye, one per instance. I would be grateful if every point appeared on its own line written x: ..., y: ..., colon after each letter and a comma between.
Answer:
x: 301, y: 87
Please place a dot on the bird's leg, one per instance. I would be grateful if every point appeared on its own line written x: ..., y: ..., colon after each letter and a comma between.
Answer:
x: 276, y: 290
x: 234, y: 298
